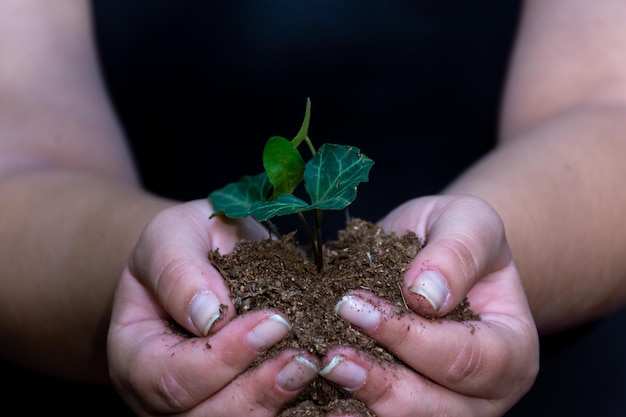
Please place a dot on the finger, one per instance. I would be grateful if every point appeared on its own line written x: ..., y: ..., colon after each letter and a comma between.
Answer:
x: 171, y: 259
x: 160, y: 368
x: 457, y: 252
x: 493, y: 358
x: 392, y: 390
x: 265, y: 390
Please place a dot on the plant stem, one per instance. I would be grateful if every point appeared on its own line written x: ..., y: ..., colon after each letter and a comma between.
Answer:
x: 315, y: 240
x: 303, y: 133
x: 273, y: 230
x: 319, y: 242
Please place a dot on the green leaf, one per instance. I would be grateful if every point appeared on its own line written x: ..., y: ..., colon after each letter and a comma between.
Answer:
x: 237, y: 199
x: 331, y: 177
x: 283, y: 205
x: 283, y: 165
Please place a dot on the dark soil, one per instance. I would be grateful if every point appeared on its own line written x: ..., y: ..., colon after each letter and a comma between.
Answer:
x: 280, y: 274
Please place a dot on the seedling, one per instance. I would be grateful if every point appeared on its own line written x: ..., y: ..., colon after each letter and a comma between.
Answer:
x: 330, y: 178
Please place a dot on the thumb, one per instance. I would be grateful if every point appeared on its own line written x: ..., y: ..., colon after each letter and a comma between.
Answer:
x: 464, y: 242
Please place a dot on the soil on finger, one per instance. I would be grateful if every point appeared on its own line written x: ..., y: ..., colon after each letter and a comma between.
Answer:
x: 280, y: 274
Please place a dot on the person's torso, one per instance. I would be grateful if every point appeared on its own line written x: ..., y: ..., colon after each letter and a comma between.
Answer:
x: 200, y: 86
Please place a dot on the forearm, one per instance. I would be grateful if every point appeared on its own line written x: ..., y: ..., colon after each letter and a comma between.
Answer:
x: 70, y: 203
x: 65, y: 239
x: 559, y: 188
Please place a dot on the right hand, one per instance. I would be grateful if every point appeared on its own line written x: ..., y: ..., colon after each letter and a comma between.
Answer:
x: 479, y: 368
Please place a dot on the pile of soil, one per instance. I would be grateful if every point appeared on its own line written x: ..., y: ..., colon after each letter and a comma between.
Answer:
x: 281, y: 274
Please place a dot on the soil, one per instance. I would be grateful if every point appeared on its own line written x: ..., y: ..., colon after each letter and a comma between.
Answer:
x: 280, y: 274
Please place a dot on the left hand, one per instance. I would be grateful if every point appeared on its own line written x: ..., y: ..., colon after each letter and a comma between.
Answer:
x: 477, y: 368
x: 160, y: 370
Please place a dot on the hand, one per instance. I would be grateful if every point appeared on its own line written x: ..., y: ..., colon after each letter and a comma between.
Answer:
x: 160, y: 368
x: 478, y: 368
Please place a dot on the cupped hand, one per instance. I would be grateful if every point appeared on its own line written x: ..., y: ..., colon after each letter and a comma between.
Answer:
x: 198, y: 366
x: 472, y: 368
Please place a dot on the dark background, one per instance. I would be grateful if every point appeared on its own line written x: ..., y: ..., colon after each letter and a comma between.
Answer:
x: 200, y: 85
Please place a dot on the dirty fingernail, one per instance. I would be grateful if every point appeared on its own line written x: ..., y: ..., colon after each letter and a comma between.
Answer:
x: 431, y: 286
x: 204, y: 310
x: 297, y: 373
x: 358, y: 312
x: 268, y: 332
x: 344, y: 373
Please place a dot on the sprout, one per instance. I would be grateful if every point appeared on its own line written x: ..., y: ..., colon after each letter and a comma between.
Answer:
x: 330, y: 180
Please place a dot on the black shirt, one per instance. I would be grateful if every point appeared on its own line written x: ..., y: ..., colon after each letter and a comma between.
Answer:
x: 201, y: 85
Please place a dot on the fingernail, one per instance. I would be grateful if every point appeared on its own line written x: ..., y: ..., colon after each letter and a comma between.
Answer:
x: 297, y: 374
x: 204, y: 310
x: 268, y: 332
x: 358, y: 312
x: 344, y: 373
x: 431, y: 286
